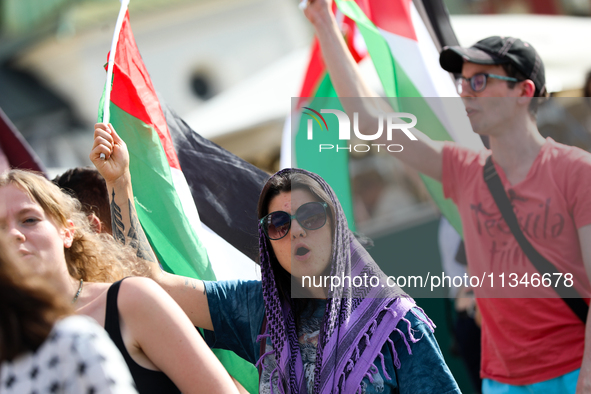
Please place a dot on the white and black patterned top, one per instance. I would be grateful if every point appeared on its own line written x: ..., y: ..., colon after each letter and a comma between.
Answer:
x: 77, y: 358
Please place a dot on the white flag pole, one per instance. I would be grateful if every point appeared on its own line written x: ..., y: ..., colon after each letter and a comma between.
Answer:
x: 122, y: 11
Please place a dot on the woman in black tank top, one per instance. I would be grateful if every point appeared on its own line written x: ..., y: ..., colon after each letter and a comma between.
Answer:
x: 146, y: 380
x: 163, y: 350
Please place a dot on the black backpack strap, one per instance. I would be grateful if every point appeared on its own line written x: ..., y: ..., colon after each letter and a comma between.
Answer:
x: 569, y: 294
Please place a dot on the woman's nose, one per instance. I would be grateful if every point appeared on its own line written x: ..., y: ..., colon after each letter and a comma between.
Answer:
x: 15, y: 234
x: 297, y: 230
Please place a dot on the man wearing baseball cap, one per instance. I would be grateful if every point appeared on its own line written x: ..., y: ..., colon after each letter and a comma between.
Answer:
x: 529, y: 345
x: 497, y: 50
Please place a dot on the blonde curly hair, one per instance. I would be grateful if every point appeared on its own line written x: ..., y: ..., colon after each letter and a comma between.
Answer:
x: 92, y: 257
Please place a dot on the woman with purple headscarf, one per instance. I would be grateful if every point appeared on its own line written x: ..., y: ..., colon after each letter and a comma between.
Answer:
x: 345, y: 339
x: 306, y: 338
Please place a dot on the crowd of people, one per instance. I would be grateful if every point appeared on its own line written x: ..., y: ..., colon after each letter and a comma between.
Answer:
x: 66, y: 269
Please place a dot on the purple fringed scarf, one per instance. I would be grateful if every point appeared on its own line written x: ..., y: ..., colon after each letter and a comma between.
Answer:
x: 357, y: 322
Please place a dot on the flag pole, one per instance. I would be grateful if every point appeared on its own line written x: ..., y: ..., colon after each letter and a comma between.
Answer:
x: 120, y: 17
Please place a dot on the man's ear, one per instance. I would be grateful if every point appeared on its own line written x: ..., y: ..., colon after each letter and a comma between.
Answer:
x: 95, y: 223
x: 69, y: 234
x: 526, y: 92
x: 528, y: 88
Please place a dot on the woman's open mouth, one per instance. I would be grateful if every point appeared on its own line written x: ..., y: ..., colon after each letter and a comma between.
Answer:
x: 302, y: 252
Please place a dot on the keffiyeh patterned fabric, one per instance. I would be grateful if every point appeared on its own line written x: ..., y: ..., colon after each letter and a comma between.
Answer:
x: 358, y: 321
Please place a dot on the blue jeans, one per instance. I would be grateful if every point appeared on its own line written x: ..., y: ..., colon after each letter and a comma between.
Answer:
x: 563, y: 384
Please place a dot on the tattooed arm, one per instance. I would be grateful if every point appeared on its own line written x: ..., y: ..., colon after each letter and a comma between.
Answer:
x: 189, y: 293
x: 115, y: 169
x: 126, y: 226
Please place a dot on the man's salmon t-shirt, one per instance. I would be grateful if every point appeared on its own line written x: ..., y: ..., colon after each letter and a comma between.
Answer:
x: 533, y: 336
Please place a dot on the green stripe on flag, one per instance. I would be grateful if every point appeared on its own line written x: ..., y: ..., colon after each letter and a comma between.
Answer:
x: 376, y: 46
x: 158, y: 206
x: 398, y: 85
x: 333, y: 167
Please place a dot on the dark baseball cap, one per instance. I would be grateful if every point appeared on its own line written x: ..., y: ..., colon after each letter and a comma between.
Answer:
x: 498, y: 50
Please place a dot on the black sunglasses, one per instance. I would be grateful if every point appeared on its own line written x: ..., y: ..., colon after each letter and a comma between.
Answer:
x: 310, y: 216
x: 478, y: 82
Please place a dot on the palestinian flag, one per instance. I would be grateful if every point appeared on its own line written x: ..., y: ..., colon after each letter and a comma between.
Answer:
x: 406, y: 58
x: 317, y: 92
x: 162, y: 197
x: 225, y: 189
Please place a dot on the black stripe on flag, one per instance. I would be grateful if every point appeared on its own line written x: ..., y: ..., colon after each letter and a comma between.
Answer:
x: 225, y: 188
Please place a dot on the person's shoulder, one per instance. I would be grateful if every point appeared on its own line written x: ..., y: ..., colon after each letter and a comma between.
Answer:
x: 415, y: 323
x: 567, y: 163
x: 465, y: 155
x: 419, y: 320
x: 138, y: 293
x: 557, y: 151
x: 136, y: 285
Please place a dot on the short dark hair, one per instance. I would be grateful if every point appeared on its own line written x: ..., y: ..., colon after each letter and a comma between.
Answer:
x: 88, y: 186
x: 513, y: 72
